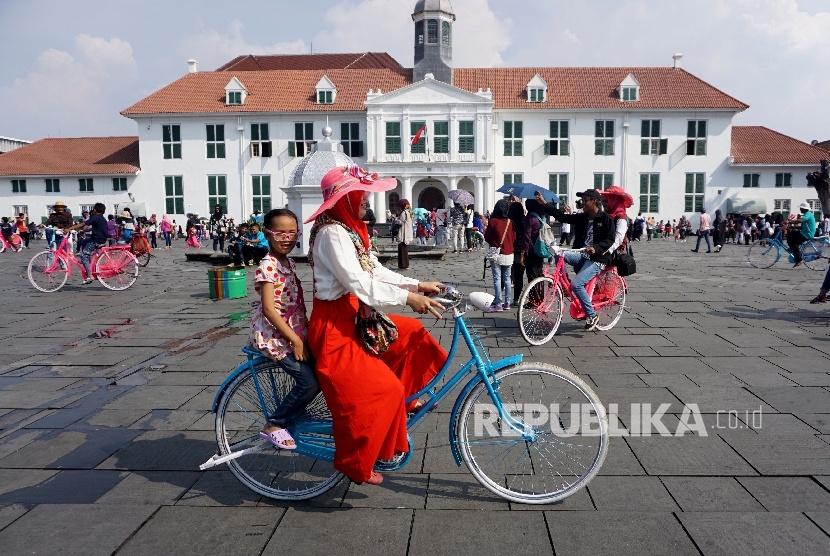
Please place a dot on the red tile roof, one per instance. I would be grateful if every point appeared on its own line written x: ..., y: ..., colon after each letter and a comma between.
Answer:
x: 754, y: 144
x: 568, y: 88
x: 360, y: 60
x: 596, y: 88
x: 823, y: 145
x: 73, y: 156
x: 269, y: 91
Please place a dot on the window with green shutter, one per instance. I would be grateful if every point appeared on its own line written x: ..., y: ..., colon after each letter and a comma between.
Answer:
x: 466, y: 139
x: 604, y: 137
x: 603, y: 181
x: 215, y: 136
x: 432, y: 31
x: 234, y: 97
x: 783, y: 180
x: 173, y: 195
x: 421, y: 146
x: 513, y: 139
x: 649, y: 192
x: 445, y: 33
x: 510, y: 179
x: 18, y: 186
x: 119, y: 184
x: 350, y: 139
x: 558, y: 183
x: 324, y: 97
x: 628, y: 94
x: 393, y: 137
x: 53, y: 185
x: 441, y: 139
x: 650, y: 141
x: 752, y: 180
x: 303, y: 139
x: 261, y: 186
x: 536, y: 95
x: 217, y: 193
x: 85, y: 185
x: 559, y: 143
x: 171, y: 141
x: 696, y: 138
x: 695, y: 189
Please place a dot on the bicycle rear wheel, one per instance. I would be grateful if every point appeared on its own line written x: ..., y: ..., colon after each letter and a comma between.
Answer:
x: 763, y: 255
x: 41, y: 274
x: 559, y: 412
x: 279, y: 474
x: 541, y: 305
x: 116, y: 269
x: 142, y: 258
x: 17, y: 243
x: 608, y: 298
x: 815, y: 253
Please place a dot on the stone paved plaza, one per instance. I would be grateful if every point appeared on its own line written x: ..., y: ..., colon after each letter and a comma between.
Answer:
x: 101, y: 438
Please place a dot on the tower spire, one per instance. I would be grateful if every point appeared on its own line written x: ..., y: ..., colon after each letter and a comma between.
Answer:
x: 433, y: 39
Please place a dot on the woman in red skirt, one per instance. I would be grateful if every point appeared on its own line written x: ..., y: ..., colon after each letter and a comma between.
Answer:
x: 365, y: 392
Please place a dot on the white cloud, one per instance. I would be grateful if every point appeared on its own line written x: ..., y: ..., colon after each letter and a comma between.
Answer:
x: 570, y: 36
x: 386, y: 26
x: 69, y: 92
x: 781, y: 19
x: 212, y: 48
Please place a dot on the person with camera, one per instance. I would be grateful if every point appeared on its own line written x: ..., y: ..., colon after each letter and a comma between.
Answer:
x: 595, y: 231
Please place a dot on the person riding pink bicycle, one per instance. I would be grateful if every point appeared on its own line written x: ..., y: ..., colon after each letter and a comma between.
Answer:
x: 96, y: 239
x: 594, y: 230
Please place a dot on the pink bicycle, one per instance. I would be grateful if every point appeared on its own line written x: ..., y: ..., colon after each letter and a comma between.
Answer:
x: 115, y: 267
x: 16, y: 244
x: 542, y: 302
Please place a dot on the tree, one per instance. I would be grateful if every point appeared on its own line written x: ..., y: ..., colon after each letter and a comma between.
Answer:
x: 820, y: 179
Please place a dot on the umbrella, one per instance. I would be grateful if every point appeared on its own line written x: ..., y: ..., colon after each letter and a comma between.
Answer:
x: 461, y: 197
x: 420, y: 212
x: 528, y: 191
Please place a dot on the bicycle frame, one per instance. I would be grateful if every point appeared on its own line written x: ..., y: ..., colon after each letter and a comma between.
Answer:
x: 560, y: 278
x: 307, y: 433
x: 64, y: 254
x: 777, y: 240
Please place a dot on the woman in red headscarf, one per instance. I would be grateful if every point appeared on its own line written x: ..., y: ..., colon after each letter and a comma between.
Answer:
x: 616, y: 200
x: 365, y: 392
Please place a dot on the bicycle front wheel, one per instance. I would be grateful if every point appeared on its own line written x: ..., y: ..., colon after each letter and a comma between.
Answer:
x: 761, y: 255
x: 541, y: 305
x: 279, y: 474
x: 815, y: 253
x: 565, y: 440
x: 608, y: 298
x: 41, y: 274
x: 116, y: 269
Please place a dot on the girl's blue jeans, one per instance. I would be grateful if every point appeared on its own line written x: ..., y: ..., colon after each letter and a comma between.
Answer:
x: 501, y: 279
x: 305, y: 390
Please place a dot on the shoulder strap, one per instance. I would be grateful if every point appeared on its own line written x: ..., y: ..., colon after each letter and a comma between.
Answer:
x: 504, y: 234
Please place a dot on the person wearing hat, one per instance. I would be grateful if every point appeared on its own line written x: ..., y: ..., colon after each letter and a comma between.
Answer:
x: 801, y: 230
x: 57, y: 222
x: 127, y: 225
x: 365, y: 390
x: 594, y: 230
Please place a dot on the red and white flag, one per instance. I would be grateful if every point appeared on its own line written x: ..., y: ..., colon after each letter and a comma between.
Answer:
x: 418, y: 135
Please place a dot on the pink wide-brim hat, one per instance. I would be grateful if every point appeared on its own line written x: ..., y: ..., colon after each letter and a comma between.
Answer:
x: 344, y: 179
x: 616, y: 191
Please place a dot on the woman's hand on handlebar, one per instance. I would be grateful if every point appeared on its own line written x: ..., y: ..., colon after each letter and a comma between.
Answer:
x: 430, y: 287
x: 422, y: 304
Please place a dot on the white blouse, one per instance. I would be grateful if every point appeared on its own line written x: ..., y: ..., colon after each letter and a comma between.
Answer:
x: 619, y: 234
x: 337, y: 272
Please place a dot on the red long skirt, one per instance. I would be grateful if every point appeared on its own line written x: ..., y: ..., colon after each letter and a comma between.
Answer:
x: 366, y: 392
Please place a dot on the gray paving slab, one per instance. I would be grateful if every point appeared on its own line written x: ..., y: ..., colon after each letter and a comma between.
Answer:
x: 9, y: 514
x: 150, y: 487
x: 218, y: 487
x: 822, y: 519
x: 620, y: 460
x: 778, y: 424
x: 712, y: 399
x: 398, y: 490
x: 788, y: 400
x: 164, y: 451
x: 198, y: 531
x: 782, y: 455
x: 755, y: 533
x: 480, y: 533
x: 460, y: 492
x: 155, y: 397
x: 711, y: 494
x: 820, y: 422
x: 588, y: 534
x: 73, y: 529
x: 690, y: 456
x: 788, y: 494
x: 638, y: 494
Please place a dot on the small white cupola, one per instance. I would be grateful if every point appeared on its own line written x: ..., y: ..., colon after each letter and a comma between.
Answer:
x: 235, y: 93
x: 537, y: 89
x: 326, y: 91
x: 629, y: 89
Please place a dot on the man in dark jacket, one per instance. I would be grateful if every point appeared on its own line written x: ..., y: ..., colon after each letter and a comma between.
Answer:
x: 594, y: 230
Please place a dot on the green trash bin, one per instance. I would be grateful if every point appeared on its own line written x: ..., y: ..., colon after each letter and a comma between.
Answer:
x: 227, y: 283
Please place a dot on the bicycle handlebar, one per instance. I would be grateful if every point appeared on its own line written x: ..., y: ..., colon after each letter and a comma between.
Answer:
x: 556, y: 249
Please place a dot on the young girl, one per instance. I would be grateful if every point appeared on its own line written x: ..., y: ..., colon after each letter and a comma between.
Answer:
x: 192, y: 240
x: 279, y: 325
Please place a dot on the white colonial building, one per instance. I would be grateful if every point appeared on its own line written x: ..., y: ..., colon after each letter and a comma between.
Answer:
x: 234, y: 136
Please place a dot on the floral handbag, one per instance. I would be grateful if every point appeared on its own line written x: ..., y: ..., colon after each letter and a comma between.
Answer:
x: 492, y: 253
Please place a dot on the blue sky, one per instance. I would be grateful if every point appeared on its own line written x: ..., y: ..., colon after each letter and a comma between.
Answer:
x: 68, y: 67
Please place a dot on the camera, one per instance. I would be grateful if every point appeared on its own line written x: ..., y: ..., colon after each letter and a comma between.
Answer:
x: 578, y: 204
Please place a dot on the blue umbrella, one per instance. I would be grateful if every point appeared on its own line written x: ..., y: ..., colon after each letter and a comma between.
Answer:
x: 528, y: 191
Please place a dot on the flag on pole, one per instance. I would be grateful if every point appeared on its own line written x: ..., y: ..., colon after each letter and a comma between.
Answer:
x: 418, y: 135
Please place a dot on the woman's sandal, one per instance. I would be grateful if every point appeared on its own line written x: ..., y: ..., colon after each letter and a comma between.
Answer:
x: 279, y: 438
x: 820, y: 298
x: 375, y: 479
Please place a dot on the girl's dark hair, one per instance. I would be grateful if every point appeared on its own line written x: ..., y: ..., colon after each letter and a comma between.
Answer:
x: 269, y: 217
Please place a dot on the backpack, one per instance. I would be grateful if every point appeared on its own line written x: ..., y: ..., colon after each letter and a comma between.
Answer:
x: 540, y: 248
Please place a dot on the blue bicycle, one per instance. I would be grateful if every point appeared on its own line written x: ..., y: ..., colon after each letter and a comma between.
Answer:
x: 529, y: 432
x: 767, y: 252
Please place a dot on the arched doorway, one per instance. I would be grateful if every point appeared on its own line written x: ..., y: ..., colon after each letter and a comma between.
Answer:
x: 392, y: 203
x: 431, y: 198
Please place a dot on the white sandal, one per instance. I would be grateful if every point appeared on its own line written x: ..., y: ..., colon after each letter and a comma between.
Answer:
x: 279, y: 438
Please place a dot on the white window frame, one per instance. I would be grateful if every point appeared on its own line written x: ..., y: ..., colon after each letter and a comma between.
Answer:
x: 782, y: 205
